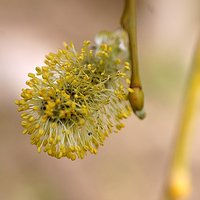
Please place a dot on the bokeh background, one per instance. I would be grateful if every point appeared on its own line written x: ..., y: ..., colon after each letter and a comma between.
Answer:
x: 132, y: 164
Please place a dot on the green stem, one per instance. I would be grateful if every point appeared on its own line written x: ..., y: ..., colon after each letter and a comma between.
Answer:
x: 128, y: 22
x: 180, y: 158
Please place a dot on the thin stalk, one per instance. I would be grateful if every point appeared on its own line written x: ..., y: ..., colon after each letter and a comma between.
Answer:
x: 128, y: 22
x: 179, y: 183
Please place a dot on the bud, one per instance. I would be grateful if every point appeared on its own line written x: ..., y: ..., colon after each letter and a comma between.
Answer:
x: 180, y: 186
x: 136, y: 98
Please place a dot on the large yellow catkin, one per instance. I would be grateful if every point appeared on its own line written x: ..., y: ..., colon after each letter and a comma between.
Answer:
x: 73, y: 101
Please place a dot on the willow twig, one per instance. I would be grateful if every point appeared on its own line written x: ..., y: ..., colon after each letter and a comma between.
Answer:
x: 178, y: 185
x: 128, y: 22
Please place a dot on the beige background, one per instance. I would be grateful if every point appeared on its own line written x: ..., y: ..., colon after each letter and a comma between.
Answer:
x: 133, y: 163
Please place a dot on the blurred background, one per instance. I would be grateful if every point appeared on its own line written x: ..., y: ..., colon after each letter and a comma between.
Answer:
x: 132, y: 164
